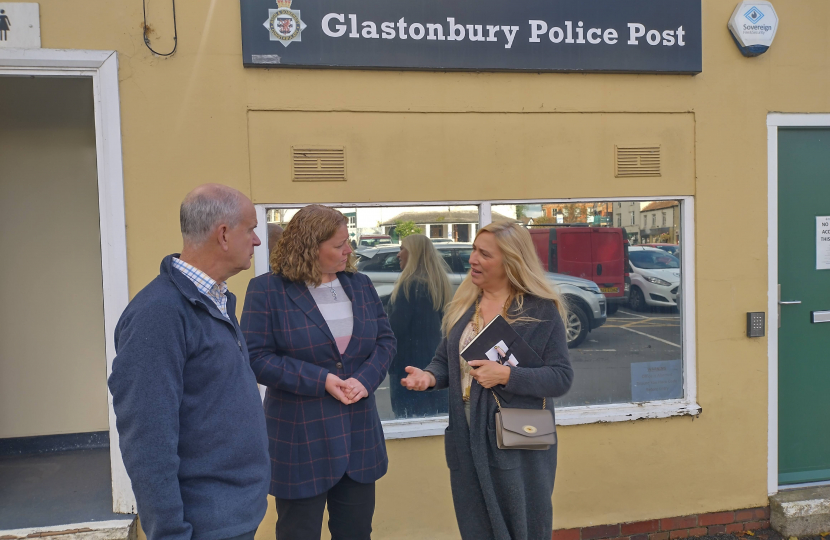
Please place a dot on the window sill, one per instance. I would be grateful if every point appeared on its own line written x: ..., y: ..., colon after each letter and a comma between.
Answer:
x: 565, y: 416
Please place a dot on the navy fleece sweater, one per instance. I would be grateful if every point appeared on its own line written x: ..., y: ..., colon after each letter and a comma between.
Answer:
x: 189, y: 416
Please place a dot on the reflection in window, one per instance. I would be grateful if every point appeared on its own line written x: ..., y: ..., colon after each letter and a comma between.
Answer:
x: 377, y: 234
x: 622, y: 284
x: 626, y: 342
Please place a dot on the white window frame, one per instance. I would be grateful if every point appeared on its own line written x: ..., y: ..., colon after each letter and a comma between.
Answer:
x: 565, y: 416
x: 102, y: 68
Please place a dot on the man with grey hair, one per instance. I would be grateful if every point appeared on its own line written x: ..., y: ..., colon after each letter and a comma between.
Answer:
x: 189, y: 416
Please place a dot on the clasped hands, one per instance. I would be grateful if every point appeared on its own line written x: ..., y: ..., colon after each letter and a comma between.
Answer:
x: 487, y: 373
x: 349, y: 391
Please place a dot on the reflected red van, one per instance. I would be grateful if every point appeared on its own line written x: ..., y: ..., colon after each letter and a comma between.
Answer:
x: 596, y: 253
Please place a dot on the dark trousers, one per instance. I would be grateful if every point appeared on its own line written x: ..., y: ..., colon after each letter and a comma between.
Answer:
x: 351, y: 507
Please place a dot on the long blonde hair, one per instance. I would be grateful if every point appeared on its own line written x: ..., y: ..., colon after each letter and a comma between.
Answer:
x: 296, y: 255
x: 524, y: 274
x: 425, y: 265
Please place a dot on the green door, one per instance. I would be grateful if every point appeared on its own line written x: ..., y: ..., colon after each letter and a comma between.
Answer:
x: 803, y: 346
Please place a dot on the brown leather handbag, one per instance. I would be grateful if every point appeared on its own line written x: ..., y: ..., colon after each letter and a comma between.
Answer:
x: 524, y: 429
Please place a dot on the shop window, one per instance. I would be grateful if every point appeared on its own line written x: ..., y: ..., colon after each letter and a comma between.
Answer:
x: 624, y: 324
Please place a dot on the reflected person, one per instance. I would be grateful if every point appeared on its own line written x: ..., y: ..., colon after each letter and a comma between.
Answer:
x: 416, y: 308
x: 274, y: 233
x: 500, y: 494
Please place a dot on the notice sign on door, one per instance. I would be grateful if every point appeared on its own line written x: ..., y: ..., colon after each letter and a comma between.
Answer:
x: 822, y: 242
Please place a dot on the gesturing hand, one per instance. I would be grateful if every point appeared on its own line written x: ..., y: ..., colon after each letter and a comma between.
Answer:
x: 355, y: 391
x: 337, y: 387
x: 417, y: 379
x: 489, y: 374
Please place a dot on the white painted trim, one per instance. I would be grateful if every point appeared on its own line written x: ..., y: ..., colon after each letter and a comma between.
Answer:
x: 261, y: 251
x: 485, y: 214
x: 790, y: 487
x: 420, y: 427
x: 53, y: 58
x: 116, y: 524
x: 797, y: 120
x: 689, y: 302
x: 772, y: 308
x: 102, y: 67
x: 113, y: 247
x: 565, y: 416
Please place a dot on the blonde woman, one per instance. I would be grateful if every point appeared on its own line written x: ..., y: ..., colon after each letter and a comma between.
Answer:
x: 319, y: 340
x: 416, y: 308
x: 499, y: 494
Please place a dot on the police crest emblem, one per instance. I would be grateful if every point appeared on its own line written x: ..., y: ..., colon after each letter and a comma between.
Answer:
x: 284, y: 23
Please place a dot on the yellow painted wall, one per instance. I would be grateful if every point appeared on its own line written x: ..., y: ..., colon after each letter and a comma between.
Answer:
x: 187, y: 120
x: 53, y: 369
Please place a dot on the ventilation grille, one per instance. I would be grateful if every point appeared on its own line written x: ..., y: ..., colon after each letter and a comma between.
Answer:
x: 636, y: 161
x: 318, y: 163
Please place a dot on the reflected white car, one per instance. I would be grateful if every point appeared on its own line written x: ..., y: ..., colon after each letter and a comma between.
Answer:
x: 587, y: 305
x: 655, y: 277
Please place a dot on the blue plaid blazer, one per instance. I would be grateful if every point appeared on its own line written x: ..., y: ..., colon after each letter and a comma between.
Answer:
x: 313, y: 438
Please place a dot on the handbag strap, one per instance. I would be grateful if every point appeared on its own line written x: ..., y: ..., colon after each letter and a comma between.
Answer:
x: 544, y: 401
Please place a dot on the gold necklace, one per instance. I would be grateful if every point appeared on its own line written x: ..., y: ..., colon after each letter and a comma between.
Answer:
x: 477, y: 315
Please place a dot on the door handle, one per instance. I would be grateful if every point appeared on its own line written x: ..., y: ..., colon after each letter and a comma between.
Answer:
x: 780, y: 303
x: 599, y: 269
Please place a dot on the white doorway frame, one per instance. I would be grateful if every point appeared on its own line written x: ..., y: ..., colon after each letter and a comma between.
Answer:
x: 775, y: 121
x: 102, y: 67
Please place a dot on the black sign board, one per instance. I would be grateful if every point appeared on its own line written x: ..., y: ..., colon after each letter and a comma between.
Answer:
x: 623, y: 36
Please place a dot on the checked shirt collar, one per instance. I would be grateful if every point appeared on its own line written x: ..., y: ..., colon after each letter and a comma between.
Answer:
x: 206, y: 285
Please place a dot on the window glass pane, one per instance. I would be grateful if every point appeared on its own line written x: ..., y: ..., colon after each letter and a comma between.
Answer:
x: 448, y: 256
x: 463, y: 258
x: 375, y: 234
x: 621, y: 283
x: 622, y: 286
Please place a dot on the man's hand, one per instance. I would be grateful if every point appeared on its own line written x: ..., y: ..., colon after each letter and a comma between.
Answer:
x: 355, y: 391
x: 488, y: 373
x: 337, y: 387
x: 417, y: 379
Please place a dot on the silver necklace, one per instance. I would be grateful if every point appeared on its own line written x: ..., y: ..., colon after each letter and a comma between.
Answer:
x: 331, y: 288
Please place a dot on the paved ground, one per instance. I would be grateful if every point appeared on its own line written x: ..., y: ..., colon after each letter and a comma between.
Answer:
x: 56, y: 488
x: 765, y: 534
x: 602, y: 363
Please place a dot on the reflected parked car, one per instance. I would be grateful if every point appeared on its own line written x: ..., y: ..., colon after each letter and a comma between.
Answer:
x: 655, y: 277
x: 672, y: 249
x: 373, y: 240
x: 586, y: 304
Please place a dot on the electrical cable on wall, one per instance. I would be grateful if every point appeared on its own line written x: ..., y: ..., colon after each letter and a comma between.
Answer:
x: 146, y: 32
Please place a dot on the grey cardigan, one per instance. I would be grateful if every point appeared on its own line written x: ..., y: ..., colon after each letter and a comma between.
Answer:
x: 503, y: 494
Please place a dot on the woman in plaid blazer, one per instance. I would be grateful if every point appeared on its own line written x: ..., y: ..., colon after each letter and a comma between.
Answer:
x: 325, y: 436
